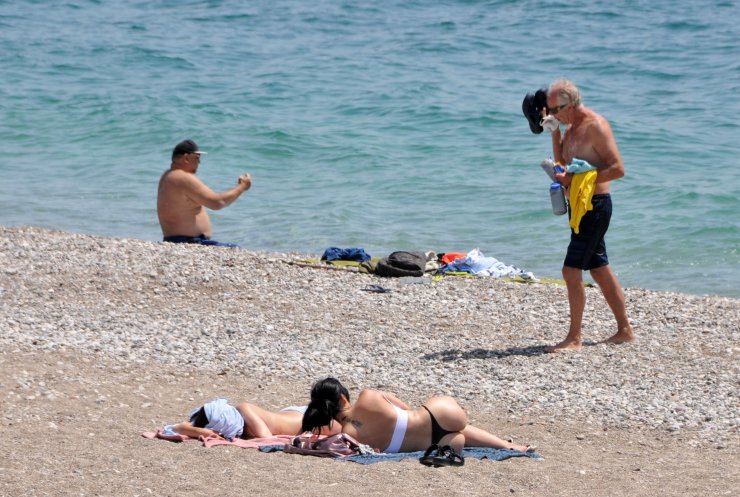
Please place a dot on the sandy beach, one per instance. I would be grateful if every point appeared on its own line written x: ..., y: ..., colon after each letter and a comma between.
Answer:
x: 102, y: 339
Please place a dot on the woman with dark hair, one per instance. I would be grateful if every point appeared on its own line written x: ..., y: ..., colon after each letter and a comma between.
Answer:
x: 244, y: 420
x: 383, y: 421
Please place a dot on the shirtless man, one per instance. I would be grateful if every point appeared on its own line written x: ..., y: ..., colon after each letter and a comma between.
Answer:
x: 588, y: 137
x: 182, y: 197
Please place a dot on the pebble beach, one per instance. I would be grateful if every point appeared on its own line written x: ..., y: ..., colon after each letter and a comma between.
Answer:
x: 279, y: 326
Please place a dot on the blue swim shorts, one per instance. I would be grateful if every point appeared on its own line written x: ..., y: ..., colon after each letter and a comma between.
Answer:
x: 587, y: 249
x: 200, y: 240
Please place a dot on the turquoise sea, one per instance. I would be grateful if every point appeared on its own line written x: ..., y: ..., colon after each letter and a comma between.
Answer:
x: 385, y: 125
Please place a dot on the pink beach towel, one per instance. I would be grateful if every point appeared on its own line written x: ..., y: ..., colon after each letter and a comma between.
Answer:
x: 213, y: 440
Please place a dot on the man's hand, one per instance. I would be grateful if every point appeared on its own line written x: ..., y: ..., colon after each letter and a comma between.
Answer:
x: 550, y: 124
x: 246, y: 181
x: 564, y: 178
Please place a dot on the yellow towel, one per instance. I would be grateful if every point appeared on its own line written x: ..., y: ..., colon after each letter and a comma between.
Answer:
x: 581, y: 190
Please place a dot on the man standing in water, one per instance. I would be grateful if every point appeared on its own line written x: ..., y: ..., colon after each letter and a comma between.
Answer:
x: 181, y: 198
x: 588, y: 137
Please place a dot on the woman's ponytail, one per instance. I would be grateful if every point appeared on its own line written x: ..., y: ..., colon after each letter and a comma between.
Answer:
x: 325, y: 404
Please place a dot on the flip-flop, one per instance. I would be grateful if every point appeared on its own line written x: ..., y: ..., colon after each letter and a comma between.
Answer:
x: 441, y: 456
x: 429, y: 454
x: 447, y: 457
x: 376, y: 289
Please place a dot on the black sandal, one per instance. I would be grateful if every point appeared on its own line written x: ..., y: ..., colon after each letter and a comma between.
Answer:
x: 441, y: 456
x: 429, y: 455
x: 448, y: 457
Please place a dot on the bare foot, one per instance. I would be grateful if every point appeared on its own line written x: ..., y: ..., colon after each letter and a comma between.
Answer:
x: 624, y: 335
x: 520, y: 448
x: 565, y: 345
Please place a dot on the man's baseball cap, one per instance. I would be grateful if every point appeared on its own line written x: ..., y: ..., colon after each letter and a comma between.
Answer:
x: 186, y: 147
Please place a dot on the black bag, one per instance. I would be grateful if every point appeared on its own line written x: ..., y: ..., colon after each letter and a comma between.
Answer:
x: 402, y: 263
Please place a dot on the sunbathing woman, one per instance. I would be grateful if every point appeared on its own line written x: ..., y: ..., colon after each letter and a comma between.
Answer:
x: 381, y: 420
x: 244, y: 420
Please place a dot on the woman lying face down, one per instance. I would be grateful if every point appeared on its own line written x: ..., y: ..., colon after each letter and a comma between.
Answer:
x: 383, y: 421
x: 244, y: 420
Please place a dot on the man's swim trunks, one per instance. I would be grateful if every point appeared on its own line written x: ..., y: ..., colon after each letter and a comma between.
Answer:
x: 200, y: 240
x: 587, y: 249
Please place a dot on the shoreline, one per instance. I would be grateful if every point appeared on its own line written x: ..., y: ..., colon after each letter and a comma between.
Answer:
x: 548, y: 276
x: 212, y: 319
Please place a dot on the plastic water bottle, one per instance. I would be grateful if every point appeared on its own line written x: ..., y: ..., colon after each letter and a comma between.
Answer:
x: 557, y: 198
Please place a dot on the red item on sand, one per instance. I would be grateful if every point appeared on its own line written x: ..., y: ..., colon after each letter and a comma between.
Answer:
x: 448, y: 258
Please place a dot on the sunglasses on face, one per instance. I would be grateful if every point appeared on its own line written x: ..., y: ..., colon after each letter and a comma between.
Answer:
x: 554, y: 110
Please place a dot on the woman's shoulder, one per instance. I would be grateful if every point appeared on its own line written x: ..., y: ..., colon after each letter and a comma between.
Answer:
x: 380, y: 400
x: 370, y: 395
x: 369, y: 392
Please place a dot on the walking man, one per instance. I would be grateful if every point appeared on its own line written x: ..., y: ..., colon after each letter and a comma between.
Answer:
x: 588, y: 137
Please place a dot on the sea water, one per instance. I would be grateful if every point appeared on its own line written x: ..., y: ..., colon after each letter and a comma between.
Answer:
x: 388, y: 125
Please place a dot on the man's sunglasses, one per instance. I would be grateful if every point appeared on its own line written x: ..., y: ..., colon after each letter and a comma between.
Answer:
x: 551, y: 111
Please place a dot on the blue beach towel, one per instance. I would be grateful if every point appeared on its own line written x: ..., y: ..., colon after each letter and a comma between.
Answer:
x: 474, y: 452
x: 346, y: 254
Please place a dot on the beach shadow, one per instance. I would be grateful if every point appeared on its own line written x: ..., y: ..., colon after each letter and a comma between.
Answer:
x: 453, y: 354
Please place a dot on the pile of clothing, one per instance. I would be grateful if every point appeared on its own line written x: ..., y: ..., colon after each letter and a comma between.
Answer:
x: 474, y: 262
x: 404, y: 263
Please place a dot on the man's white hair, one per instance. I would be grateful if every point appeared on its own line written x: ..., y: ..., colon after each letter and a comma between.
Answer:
x: 567, y: 92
